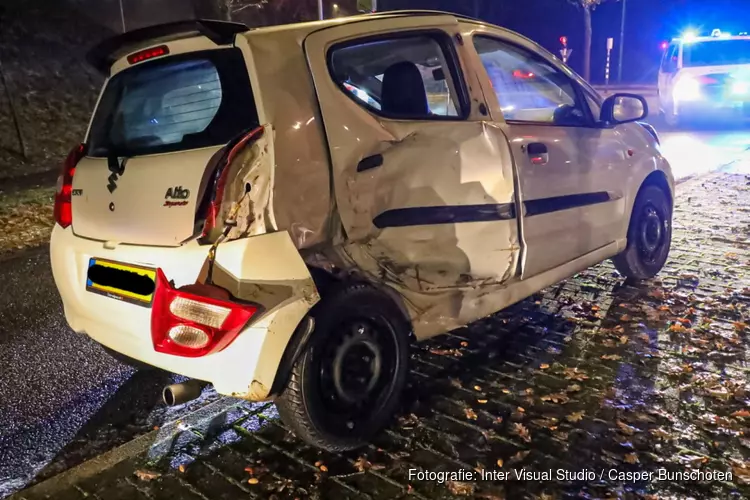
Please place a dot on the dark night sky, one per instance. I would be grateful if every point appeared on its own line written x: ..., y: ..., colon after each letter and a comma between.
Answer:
x: 648, y: 23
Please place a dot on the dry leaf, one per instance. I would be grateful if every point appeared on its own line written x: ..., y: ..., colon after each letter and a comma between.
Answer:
x: 482, y: 401
x: 624, y: 339
x: 181, y: 468
x: 477, y: 388
x: 470, y: 414
x: 544, y: 366
x: 323, y: 468
x: 741, y: 413
x: 625, y: 317
x: 146, y: 475
x: 611, y: 357
x: 464, y: 344
x: 573, y: 388
x: 522, y: 432
x: 631, y: 458
x: 318, y: 463
x: 499, y: 462
x: 559, y: 397
x: 460, y: 488
x: 576, y: 416
x: 626, y: 429
x: 253, y: 480
x: 740, y: 326
x: 575, y: 374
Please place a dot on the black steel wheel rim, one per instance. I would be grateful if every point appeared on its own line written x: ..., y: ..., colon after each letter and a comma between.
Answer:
x: 653, y: 233
x: 356, y: 366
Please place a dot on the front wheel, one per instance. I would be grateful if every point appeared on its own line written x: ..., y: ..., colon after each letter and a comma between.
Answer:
x: 346, y: 385
x: 649, y: 235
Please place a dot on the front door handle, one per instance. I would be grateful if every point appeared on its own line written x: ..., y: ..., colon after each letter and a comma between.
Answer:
x: 538, y: 153
x: 370, y: 162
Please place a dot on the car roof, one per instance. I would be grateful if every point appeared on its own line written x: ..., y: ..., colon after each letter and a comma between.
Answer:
x: 103, y: 55
x: 700, y: 39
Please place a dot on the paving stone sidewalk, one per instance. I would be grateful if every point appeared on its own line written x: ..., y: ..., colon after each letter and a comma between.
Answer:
x: 593, y: 375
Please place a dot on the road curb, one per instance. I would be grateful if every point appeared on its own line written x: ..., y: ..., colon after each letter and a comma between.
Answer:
x: 89, y: 468
x: 157, y: 443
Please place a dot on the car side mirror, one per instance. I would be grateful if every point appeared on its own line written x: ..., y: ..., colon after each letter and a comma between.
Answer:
x: 623, y: 108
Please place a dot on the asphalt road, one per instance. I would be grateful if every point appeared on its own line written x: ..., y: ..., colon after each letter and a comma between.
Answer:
x: 64, y: 400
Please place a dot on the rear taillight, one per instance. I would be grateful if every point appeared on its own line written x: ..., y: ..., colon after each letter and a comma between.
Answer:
x: 64, y: 191
x: 195, y: 320
x: 220, y: 179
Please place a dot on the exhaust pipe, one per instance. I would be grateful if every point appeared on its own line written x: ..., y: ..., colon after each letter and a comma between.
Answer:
x: 177, y: 394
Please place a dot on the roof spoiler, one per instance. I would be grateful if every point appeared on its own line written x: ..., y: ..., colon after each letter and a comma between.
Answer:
x: 103, y: 55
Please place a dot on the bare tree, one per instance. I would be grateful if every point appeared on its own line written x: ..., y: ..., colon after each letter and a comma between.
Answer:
x: 588, y: 7
x: 225, y: 9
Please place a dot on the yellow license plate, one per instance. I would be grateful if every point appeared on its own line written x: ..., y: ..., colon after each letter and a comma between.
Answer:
x: 117, y: 280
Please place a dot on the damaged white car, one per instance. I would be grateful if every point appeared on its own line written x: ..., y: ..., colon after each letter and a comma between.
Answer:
x: 279, y: 211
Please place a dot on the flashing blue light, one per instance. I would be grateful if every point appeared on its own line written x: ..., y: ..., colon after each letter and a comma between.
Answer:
x: 689, y: 36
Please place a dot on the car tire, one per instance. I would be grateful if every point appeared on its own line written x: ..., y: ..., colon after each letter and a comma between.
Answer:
x: 125, y: 360
x: 649, y: 235
x: 346, y: 384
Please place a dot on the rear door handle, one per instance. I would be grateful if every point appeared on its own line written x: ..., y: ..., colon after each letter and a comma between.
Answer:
x: 370, y: 162
x: 538, y: 153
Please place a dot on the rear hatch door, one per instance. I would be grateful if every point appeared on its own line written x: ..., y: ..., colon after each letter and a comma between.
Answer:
x: 154, y: 133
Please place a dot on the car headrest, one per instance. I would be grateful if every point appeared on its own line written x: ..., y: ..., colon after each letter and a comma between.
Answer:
x: 403, y: 91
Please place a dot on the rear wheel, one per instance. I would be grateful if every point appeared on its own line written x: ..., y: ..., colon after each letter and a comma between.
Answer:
x: 649, y: 235
x: 346, y: 385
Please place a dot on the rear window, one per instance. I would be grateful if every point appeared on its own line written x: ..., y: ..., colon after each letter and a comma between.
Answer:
x: 178, y: 103
x: 717, y: 53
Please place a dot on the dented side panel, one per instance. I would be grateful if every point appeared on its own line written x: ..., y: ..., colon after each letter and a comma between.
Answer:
x: 439, y: 212
x: 299, y: 200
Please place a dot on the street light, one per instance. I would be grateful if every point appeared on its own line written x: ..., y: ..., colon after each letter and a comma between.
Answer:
x: 320, y: 10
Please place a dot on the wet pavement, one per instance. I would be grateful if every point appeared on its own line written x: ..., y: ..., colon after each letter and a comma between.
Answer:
x: 596, y: 381
x: 593, y: 373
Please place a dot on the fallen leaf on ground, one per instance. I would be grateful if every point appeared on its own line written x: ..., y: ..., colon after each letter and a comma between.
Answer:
x: 470, y: 414
x: 626, y: 429
x: 557, y: 398
x: 544, y: 366
x: 253, y: 480
x: 575, y: 374
x: 477, y: 388
x: 181, y: 468
x: 146, y: 475
x: 499, y: 462
x: 611, y: 357
x: 741, y: 413
x: 482, y: 401
x: 464, y: 344
x: 631, y: 458
x: 573, y: 388
x: 576, y: 416
x: 460, y: 488
x: 522, y: 432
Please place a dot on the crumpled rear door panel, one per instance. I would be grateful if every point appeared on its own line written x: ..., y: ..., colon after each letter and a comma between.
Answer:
x: 439, y: 212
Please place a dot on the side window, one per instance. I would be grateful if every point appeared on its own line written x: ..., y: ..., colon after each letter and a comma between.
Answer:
x: 529, y: 88
x: 404, y: 77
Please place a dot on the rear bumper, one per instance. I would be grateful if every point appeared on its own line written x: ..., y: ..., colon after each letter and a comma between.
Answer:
x: 247, y: 367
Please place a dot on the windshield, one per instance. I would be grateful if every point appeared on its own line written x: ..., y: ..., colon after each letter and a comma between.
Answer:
x: 717, y: 53
x: 178, y: 103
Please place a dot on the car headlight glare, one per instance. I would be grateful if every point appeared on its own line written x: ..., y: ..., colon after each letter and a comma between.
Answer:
x: 687, y: 88
x: 740, y: 88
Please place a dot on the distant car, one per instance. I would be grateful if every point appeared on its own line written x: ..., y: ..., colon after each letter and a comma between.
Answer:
x: 705, y: 78
x: 278, y: 211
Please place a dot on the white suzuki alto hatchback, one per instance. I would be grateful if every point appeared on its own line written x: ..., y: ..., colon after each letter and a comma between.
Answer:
x: 278, y: 211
